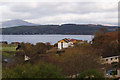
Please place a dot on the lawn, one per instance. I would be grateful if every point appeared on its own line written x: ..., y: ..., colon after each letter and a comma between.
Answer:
x: 10, y: 55
x: 8, y: 48
x: 8, y: 51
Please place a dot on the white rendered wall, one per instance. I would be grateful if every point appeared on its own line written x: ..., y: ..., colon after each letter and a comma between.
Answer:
x: 65, y: 45
x: 109, y: 61
x: 59, y: 46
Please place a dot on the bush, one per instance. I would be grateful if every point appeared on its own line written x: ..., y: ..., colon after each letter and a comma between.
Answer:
x: 91, y: 74
x: 42, y: 70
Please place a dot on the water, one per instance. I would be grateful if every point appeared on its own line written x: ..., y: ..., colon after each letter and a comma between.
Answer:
x: 42, y: 38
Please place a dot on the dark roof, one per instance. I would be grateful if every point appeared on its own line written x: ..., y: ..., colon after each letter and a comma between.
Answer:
x: 66, y: 40
x: 110, y: 55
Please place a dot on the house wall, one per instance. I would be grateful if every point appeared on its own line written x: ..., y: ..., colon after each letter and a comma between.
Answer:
x: 59, y: 46
x: 109, y: 60
x: 65, y: 45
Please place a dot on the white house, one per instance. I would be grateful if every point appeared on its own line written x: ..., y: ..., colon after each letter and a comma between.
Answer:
x: 111, y: 59
x: 64, y: 43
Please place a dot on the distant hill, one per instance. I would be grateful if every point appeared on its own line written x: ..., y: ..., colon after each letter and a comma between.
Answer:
x: 16, y: 22
x: 68, y: 29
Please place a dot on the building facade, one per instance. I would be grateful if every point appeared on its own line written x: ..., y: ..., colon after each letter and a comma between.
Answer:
x: 111, y: 59
x: 64, y: 43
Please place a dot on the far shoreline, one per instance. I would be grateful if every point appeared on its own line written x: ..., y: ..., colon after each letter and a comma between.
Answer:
x: 47, y: 34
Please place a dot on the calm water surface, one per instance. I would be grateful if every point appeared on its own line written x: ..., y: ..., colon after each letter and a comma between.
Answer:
x: 42, y: 38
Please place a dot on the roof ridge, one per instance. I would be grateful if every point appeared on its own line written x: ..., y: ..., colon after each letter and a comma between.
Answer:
x: 65, y: 40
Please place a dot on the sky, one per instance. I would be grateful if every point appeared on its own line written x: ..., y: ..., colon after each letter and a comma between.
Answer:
x: 60, y: 12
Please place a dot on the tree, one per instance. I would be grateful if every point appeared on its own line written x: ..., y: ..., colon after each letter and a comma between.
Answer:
x: 56, y: 45
x: 42, y: 70
x: 40, y: 48
x: 76, y: 60
x: 48, y: 46
x: 107, y: 43
x: 103, y: 30
x: 32, y: 51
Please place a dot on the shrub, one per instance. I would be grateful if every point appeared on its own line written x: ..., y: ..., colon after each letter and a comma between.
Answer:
x: 42, y: 70
x: 91, y: 74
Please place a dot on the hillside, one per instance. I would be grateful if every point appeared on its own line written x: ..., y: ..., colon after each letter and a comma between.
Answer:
x: 73, y: 29
x: 16, y: 22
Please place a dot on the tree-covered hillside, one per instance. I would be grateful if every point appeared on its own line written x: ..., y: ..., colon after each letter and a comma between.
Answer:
x: 85, y: 29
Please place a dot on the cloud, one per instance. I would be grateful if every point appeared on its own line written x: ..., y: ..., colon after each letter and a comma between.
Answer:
x: 59, y: 0
x: 78, y: 18
x: 61, y: 12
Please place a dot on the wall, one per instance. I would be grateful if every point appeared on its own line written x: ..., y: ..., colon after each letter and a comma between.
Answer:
x: 65, y: 45
x: 109, y: 60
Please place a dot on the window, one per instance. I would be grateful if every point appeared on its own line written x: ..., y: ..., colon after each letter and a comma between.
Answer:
x: 106, y: 59
x: 116, y: 58
x: 111, y: 58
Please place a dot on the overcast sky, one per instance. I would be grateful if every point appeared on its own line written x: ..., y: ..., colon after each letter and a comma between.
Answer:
x: 61, y: 12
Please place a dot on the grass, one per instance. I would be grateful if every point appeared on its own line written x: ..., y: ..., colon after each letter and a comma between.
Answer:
x: 8, y: 48
x: 8, y: 51
x: 10, y: 55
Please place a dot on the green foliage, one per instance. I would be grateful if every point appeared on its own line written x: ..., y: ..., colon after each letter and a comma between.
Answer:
x: 91, y: 74
x: 42, y: 70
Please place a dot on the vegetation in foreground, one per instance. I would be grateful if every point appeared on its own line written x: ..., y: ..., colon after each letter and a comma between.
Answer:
x: 91, y: 74
x: 42, y: 70
x: 79, y: 60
